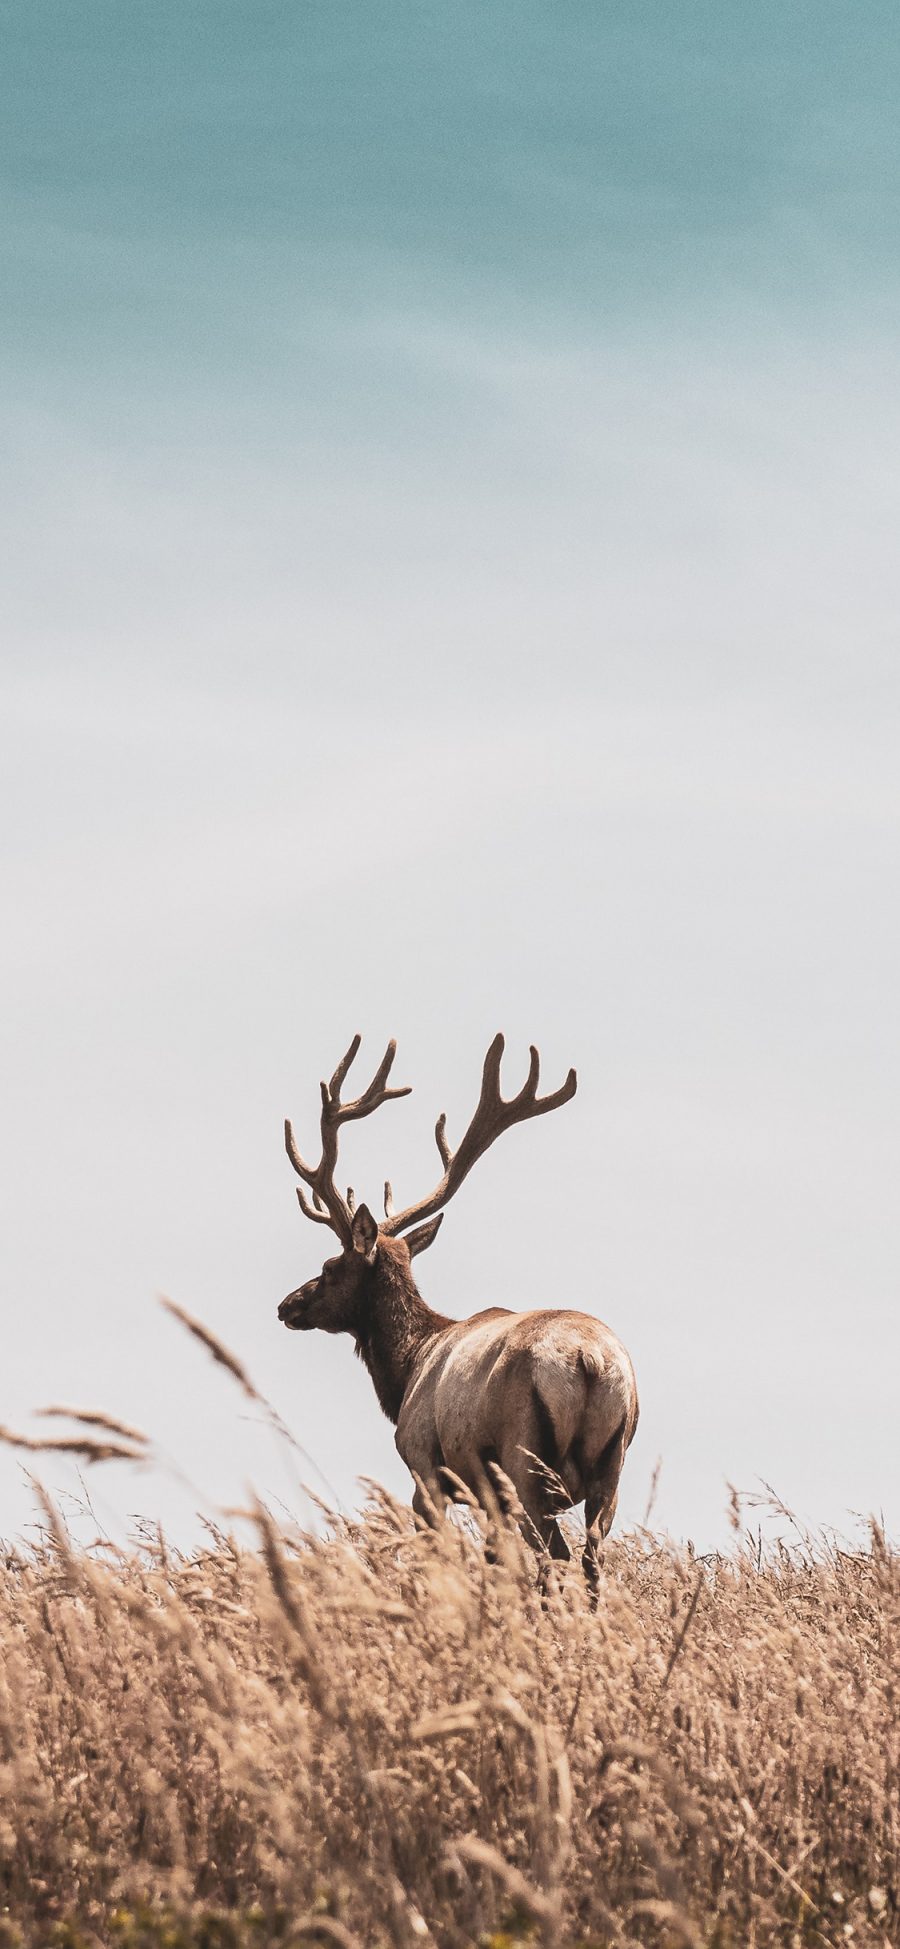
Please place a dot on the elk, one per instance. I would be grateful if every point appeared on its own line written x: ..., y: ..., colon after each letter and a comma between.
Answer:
x: 547, y: 1397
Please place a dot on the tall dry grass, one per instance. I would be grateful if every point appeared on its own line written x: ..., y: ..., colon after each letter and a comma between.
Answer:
x: 375, y: 1734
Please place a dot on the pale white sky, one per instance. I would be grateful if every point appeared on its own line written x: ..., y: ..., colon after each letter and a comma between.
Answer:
x: 413, y: 636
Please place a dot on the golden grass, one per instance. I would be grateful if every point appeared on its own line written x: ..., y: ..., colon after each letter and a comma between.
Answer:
x: 374, y: 1735
x: 379, y: 1723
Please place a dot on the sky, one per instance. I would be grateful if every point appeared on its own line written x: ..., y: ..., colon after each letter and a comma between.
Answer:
x: 450, y: 583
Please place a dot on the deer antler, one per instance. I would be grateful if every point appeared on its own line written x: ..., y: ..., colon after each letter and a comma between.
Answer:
x: 328, y: 1207
x: 493, y: 1115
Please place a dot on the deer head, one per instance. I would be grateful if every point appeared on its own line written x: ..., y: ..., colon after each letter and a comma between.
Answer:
x: 336, y: 1299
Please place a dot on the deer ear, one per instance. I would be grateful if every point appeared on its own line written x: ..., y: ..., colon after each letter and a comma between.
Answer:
x: 365, y: 1233
x: 424, y: 1235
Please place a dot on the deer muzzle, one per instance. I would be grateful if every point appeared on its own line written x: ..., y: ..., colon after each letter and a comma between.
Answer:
x: 294, y: 1309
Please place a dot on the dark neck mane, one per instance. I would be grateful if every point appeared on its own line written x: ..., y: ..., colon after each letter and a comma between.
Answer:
x: 396, y: 1325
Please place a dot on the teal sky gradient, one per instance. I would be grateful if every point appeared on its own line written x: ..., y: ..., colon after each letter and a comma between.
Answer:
x: 449, y: 527
x: 594, y: 157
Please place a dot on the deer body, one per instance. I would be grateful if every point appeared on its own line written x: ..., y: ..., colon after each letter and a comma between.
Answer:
x: 530, y: 1392
x: 546, y: 1398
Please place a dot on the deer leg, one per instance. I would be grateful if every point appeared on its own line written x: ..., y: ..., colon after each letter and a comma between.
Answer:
x: 600, y: 1506
x: 538, y: 1502
x: 424, y: 1461
x: 540, y: 1528
x: 429, y: 1500
x: 530, y: 1462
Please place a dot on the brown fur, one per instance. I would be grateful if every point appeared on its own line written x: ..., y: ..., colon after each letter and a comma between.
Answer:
x: 535, y: 1410
x: 546, y: 1398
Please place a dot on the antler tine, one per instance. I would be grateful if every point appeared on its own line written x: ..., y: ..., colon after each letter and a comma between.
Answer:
x: 493, y: 1114
x: 382, y: 1072
x: 309, y: 1210
x: 376, y: 1094
x: 529, y: 1087
x: 490, y: 1075
x: 564, y: 1094
x: 388, y: 1199
x: 328, y: 1206
x: 334, y: 1087
x: 528, y: 1092
x: 303, y: 1170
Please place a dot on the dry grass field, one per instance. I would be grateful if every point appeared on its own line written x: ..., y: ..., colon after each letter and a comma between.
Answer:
x: 374, y: 1735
